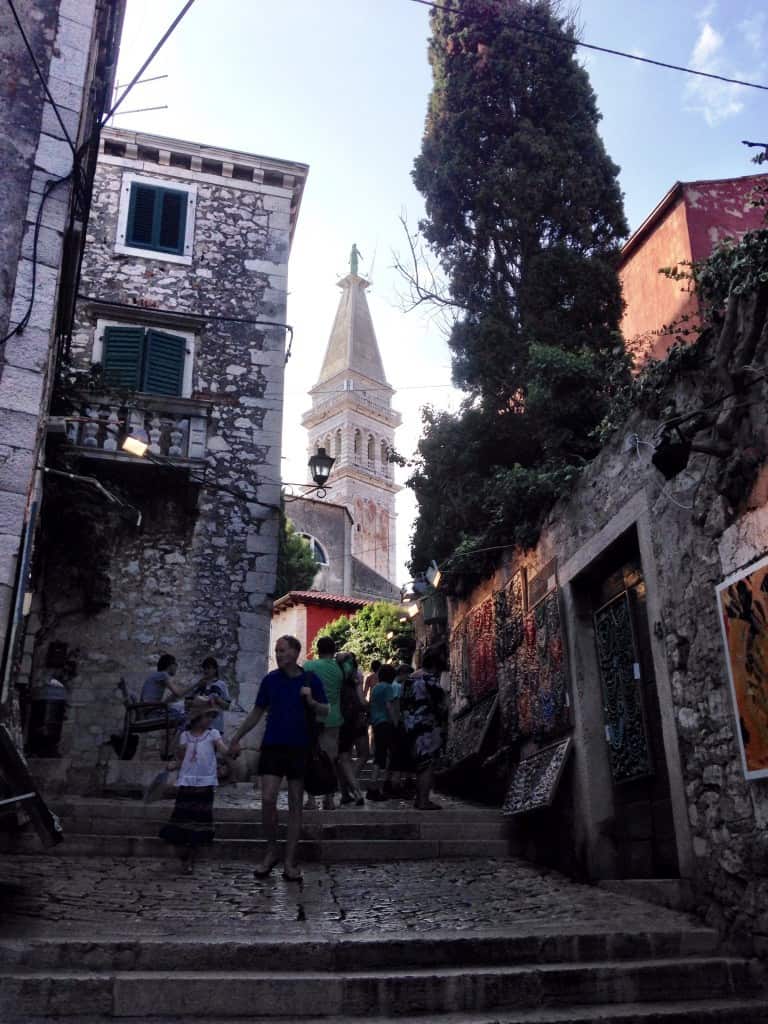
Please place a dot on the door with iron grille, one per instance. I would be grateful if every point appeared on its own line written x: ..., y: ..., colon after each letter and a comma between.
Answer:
x: 643, y: 822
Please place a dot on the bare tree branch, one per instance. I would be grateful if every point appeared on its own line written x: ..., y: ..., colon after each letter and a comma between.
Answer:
x: 424, y: 282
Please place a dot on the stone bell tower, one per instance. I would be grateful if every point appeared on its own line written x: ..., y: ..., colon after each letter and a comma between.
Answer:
x: 352, y: 418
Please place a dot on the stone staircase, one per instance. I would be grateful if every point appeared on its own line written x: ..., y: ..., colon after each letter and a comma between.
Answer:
x: 670, y: 976
x: 392, y: 831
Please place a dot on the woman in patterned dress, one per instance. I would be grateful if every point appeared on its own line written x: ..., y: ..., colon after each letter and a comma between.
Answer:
x: 423, y: 708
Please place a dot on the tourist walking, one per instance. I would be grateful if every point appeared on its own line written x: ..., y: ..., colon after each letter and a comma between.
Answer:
x: 330, y: 674
x: 382, y: 711
x: 353, y: 735
x: 371, y: 679
x: 191, y: 823
x: 288, y: 695
x: 423, y: 707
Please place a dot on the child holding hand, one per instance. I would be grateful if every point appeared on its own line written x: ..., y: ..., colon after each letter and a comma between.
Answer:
x: 191, y: 824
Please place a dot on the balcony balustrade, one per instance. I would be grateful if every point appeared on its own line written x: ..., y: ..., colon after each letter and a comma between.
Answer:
x: 173, y: 428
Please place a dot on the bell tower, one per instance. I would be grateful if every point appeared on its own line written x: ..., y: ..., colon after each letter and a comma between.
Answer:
x: 352, y: 418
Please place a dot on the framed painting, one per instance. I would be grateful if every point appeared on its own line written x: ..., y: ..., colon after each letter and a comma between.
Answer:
x: 742, y: 602
x: 535, y: 779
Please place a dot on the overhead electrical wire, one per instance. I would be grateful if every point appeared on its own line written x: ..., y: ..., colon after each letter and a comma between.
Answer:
x: 611, y: 52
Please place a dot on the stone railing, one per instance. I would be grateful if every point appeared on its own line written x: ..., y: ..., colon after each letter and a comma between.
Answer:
x: 174, y: 428
x: 322, y: 409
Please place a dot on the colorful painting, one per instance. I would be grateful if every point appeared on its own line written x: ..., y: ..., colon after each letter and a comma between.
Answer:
x: 534, y: 779
x: 510, y: 614
x: 481, y: 650
x: 457, y: 657
x: 743, y: 605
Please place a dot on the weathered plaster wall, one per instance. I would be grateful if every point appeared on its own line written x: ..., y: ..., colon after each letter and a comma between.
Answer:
x: 654, y: 301
x: 198, y: 576
x: 331, y: 525
x: 691, y: 533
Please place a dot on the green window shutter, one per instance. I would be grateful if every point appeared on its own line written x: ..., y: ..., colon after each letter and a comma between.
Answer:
x: 164, y: 363
x: 141, y: 215
x: 157, y: 218
x: 122, y: 357
x: 173, y: 220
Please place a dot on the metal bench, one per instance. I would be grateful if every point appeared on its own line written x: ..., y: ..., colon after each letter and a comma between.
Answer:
x: 144, y: 716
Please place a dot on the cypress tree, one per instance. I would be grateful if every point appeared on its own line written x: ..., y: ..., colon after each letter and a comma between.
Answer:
x: 525, y: 215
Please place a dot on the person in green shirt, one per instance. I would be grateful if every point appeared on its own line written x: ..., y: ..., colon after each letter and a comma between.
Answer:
x: 331, y: 676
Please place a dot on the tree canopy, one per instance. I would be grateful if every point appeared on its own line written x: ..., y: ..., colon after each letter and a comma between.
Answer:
x: 525, y: 216
x: 366, y: 633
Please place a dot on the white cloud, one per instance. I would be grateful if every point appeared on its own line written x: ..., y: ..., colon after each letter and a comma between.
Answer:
x: 707, y: 45
x: 707, y: 11
x: 753, y: 30
x: 715, y: 100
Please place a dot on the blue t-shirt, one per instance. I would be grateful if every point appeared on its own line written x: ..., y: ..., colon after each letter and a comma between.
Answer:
x: 286, y: 715
x: 381, y: 695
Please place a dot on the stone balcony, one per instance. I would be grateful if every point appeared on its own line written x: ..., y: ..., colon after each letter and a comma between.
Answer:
x: 174, y: 428
x: 342, y: 400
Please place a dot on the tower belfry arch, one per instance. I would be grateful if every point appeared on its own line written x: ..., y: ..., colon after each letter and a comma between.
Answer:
x: 353, y: 419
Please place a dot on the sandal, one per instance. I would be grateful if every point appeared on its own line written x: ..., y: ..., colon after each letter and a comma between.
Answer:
x: 295, y: 876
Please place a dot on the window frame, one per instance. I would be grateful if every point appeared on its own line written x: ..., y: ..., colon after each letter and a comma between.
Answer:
x: 97, y: 351
x: 169, y: 185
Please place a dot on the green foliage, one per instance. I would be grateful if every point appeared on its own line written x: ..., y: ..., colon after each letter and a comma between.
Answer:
x: 296, y: 567
x: 734, y: 268
x: 365, y: 634
x: 524, y: 214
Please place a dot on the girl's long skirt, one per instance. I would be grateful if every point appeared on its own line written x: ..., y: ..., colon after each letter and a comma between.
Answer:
x: 191, y: 823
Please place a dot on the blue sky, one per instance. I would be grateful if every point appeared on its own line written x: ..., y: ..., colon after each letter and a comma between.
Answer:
x: 343, y: 85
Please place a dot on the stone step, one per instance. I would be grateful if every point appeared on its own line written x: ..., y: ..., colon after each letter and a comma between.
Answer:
x: 194, y: 994
x: 397, y: 952
x: 251, y: 828
x: 700, y: 1011
x: 327, y: 851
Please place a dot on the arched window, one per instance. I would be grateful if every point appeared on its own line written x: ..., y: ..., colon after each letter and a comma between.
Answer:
x: 357, y: 445
x: 317, y: 549
x: 386, y: 469
x: 371, y: 452
x: 337, y: 449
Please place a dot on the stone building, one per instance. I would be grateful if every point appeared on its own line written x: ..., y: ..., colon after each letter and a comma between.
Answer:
x: 179, y: 345
x: 608, y: 685
x: 74, y: 43
x: 691, y: 219
x: 352, y: 418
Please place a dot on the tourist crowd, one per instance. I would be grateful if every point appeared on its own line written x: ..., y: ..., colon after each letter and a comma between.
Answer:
x: 320, y: 718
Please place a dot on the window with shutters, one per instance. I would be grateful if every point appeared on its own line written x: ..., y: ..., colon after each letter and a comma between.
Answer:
x: 144, y: 359
x: 156, y: 219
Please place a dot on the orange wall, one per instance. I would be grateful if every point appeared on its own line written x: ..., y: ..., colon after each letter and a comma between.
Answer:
x: 653, y: 301
x: 703, y: 215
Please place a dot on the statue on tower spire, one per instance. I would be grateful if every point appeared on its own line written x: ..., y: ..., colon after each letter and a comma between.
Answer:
x: 353, y: 259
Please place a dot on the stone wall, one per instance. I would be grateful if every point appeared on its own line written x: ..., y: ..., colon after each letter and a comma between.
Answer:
x: 75, y: 43
x: 197, y: 576
x: 687, y: 535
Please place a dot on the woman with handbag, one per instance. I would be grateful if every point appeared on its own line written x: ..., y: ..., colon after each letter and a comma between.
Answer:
x: 292, y: 700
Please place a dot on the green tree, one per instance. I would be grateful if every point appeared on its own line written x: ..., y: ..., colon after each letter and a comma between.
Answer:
x: 296, y: 566
x: 366, y: 633
x: 524, y: 214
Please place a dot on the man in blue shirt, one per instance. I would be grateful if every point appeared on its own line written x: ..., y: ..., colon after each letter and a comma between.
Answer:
x: 285, y: 694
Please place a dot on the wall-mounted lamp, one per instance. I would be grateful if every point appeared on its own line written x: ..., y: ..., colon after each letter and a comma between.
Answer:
x: 134, y: 446
x: 673, y: 450
x: 433, y: 574
x: 320, y: 465
x: 413, y: 610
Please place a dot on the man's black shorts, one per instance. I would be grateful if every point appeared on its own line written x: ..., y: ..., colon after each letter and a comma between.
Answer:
x: 283, y: 761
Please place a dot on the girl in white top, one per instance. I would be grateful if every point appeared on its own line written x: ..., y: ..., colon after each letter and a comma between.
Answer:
x: 191, y: 824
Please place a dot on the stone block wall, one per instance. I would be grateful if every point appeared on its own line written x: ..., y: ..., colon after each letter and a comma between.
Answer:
x: 689, y: 534
x: 197, y: 576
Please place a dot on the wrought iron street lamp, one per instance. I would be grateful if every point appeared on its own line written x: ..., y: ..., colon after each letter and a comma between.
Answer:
x: 320, y: 465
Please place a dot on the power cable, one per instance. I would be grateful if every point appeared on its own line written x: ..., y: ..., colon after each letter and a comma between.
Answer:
x: 608, y: 50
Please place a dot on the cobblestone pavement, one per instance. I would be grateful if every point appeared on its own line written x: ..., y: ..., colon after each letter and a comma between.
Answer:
x: 111, y: 897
